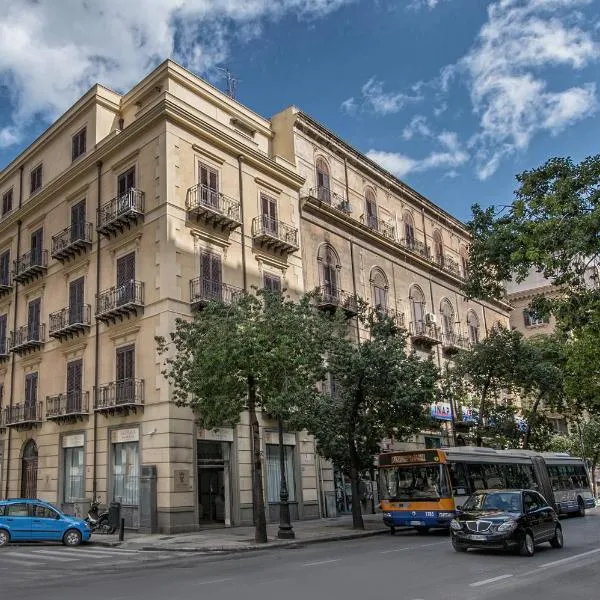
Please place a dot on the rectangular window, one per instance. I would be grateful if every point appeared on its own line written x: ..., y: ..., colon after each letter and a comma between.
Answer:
x: 33, y: 319
x: 125, y: 279
x: 272, y: 283
x: 78, y: 144
x: 379, y: 297
x: 126, y: 181
x: 3, y: 328
x: 7, y: 202
x: 209, y: 185
x: 531, y: 319
x: 274, y: 472
x: 126, y: 473
x: 37, y: 241
x: 35, y: 179
x: 211, y: 270
x: 269, y: 214
x: 31, y: 381
x: 17, y: 510
x: 74, y: 385
x: 76, y: 301
x: 73, y: 486
x: 5, y: 268
x: 78, y: 221
x: 125, y: 384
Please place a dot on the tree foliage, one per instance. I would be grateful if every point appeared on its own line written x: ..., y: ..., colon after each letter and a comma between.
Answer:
x: 262, y: 350
x: 377, y: 390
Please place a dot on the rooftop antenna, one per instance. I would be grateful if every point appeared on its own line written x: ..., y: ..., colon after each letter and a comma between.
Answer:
x: 231, y: 82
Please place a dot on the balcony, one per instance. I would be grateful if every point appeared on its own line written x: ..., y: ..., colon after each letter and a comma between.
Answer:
x: 120, y: 301
x: 331, y: 299
x: 27, y: 339
x: 5, y: 284
x: 119, y: 396
x: 453, y: 342
x: 385, y: 229
x: 213, y: 208
x: 67, y: 407
x: 324, y: 195
x: 203, y: 291
x: 70, y: 322
x: 448, y: 264
x: 416, y: 247
x: 4, y: 351
x: 422, y: 332
x: 23, y: 416
x: 121, y: 212
x: 274, y: 235
x: 30, y: 266
x: 72, y: 241
x: 394, y: 315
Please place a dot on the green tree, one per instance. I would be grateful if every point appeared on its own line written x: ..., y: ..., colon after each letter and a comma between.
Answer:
x: 551, y: 227
x: 582, y: 371
x: 262, y: 350
x: 376, y: 390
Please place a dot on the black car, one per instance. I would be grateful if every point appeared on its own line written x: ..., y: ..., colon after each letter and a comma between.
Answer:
x: 506, y: 519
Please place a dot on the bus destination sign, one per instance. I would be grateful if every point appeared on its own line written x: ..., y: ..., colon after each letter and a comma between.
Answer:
x: 428, y: 456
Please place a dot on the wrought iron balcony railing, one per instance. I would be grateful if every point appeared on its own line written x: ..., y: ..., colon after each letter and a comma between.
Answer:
x: 453, y: 342
x: 70, y: 320
x: 380, y: 226
x: 422, y: 331
x: 275, y: 234
x: 120, y: 300
x: 203, y: 291
x: 213, y: 207
x: 120, y: 212
x: 23, y: 415
x: 397, y: 317
x: 119, y: 395
x: 68, y: 405
x: 332, y: 298
x: 416, y: 246
x: 30, y: 265
x: 27, y: 338
x: 72, y: 241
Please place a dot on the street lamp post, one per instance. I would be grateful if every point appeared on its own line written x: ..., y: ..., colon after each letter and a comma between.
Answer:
x: 286, y: 531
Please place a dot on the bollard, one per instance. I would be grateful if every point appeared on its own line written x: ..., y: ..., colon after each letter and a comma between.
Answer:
x: 122, y: 530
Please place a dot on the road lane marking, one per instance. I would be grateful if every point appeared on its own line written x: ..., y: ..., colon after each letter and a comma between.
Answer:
x: 412, y: 547
x: 491, y: 580
x: 214, y: 581
x: 568, y: 559
x: 52, y: 555
x: 321, y: 562
x: 106, y: 552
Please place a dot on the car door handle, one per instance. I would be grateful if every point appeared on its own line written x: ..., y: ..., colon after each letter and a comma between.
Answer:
x: 36, y: 521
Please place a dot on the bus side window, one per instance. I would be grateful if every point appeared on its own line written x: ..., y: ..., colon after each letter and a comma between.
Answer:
x: 475, y: 476
x: 458, y: 479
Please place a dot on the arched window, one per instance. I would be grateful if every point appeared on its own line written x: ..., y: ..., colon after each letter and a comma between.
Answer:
x: 371, y: 209
x: 448, y: 320
x: 379, y: 289
x: 29, y: 470
x: 417, y: 309
x: 409, y: 230
x: 473, y: 327
x: 438, y: 247
x: 329, y: 265
x: 323, y: 181
x: 464, y: 261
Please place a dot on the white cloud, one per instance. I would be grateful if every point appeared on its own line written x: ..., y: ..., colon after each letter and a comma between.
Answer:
x: 506, y: 73
x: 375, y: 99
x: 394, y: 162
x: 418, y: 4
x: 52, y: 51
x: 417, y: 125
x: 349, y: 106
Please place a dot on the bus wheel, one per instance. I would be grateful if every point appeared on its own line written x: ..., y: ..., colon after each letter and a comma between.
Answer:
x: 422, y: 530
x: 392, y: 531
x: 581, y: 507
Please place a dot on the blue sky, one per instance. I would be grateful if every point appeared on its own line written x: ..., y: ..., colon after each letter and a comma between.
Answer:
x: 453, y: 96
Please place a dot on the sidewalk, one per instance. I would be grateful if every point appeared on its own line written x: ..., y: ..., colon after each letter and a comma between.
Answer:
x: 241, y: 539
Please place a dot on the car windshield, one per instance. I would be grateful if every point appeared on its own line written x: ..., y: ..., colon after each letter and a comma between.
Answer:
x: 414, y: 482
x: 498, y: 501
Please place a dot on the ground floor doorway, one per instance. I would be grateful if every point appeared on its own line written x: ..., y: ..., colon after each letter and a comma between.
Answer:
x: 213, y: 487
x: 29, y: 470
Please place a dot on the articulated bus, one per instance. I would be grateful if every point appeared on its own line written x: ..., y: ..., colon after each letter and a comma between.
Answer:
x: 422, y: 488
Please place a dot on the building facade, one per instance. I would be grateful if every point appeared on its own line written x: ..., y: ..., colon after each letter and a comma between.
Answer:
x: 133, y: 210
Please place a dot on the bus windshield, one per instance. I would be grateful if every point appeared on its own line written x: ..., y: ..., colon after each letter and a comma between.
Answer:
x: 416, y: 482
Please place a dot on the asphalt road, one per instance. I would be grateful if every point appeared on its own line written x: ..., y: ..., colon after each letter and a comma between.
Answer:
x: 403, y: 567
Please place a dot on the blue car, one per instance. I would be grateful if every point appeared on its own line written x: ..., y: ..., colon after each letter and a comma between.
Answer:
x: 27, y: 520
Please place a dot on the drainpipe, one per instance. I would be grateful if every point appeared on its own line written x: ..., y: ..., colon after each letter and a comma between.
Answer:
x: 354, y: 287
x: 97, y: 343
x: 241, y: 191
x: 12, y: 360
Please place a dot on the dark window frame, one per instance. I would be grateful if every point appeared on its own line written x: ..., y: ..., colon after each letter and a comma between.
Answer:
x: 79, y: 144
x: 272, y: 283
x: 7, y: 201
x: 36, y: 178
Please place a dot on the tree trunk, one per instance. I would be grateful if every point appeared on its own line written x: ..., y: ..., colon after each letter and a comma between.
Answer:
x: 357, y: 519
x: 530, y: 421
x: 478, y: 438
x: 593, y: 466
x: 258, y: 499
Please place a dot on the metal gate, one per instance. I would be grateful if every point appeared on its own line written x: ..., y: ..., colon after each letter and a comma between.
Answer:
x: 29, y: 468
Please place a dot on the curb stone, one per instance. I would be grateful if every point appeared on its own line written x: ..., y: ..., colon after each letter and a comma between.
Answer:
x: 254, y: 547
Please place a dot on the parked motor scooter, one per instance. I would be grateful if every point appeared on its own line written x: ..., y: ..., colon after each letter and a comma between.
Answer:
x: 99, y: 522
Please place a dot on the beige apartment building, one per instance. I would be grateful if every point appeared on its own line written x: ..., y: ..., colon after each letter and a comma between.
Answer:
x: 133, y: 210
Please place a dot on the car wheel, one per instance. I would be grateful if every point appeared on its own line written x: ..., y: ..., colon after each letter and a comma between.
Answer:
x: 4, y: 537
x: 527, y: 547
x: 72, y: 538
x: 457, y: 547
x: 557, y: 541
x: 422, y: 530
x: 581, y: 508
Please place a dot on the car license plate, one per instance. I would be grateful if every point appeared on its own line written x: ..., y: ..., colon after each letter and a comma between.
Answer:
x: 417, y: 523
x: 477, y: 538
